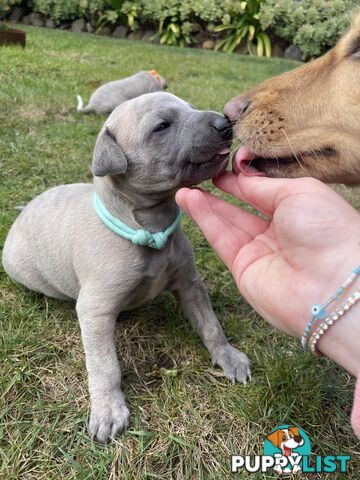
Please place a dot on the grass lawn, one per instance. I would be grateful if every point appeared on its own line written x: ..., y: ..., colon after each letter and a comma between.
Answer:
x: 186, y: 419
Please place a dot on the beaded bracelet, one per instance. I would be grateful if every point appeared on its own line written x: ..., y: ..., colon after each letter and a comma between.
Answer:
x: 318, y: 311
x: 332, y: 318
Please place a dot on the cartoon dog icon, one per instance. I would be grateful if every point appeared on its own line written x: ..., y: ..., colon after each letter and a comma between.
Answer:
x: 287, y: 439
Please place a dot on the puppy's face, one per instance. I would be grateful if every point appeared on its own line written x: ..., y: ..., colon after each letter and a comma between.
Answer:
x: 158, y: 143
x: 288, y: 438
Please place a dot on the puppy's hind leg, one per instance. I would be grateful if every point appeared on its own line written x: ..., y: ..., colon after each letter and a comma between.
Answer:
x: 194, y: 301
x: 109, y: 413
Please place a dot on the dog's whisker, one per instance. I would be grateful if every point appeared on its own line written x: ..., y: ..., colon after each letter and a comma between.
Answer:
x: 255, y: 132
x: 294, y: 154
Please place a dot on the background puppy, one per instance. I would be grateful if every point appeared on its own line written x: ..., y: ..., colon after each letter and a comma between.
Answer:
x: 111, y: 94
x: 148, y: 148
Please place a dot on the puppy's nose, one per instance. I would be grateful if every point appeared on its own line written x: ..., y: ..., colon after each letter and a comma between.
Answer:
x: 222, y: 126
x: 235, y: 108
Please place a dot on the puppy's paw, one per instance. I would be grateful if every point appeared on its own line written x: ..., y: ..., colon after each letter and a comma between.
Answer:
x: 234, y: 363
x: 109, y: 416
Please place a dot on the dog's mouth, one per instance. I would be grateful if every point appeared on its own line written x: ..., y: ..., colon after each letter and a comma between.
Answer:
x: 216, y: 159
x: 287, y: 451
x: 204, y: 166
x: 251, y: 164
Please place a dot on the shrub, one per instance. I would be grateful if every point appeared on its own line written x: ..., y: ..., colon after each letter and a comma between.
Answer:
x: 119, y: 11
x: 66, y: 10
x: 244, y: 25
x: 177, y: 21
x: 313, y: 25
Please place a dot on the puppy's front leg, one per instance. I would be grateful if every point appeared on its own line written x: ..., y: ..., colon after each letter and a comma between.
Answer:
x: 195, y: 303
x: 109, y: 413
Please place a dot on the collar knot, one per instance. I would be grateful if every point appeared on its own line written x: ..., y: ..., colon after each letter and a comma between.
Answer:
x: 139, y: 237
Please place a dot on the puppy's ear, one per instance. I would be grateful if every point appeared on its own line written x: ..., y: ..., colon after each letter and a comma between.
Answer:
x: 349, y: 44
x: 295, y: 431
x: 108, y: 159
x: 274, y: 438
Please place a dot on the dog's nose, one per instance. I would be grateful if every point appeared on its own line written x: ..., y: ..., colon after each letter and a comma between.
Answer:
x: 235, y: 108
x: 222, y: 126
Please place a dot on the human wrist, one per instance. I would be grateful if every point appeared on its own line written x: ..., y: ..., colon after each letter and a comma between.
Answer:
x: 340, y: 340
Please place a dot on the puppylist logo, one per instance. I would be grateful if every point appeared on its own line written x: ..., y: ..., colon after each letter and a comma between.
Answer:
x: 287, y: 450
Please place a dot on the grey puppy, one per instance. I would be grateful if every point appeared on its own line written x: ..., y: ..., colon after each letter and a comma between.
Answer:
x: 148, y: 148
x: 107, y: 97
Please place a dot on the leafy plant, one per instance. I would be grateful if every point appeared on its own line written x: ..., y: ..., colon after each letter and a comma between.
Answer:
x: 243, y: 25
x: 174, y: 32
x: 120, y: 11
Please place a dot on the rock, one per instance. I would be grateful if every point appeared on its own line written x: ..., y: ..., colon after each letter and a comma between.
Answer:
x: 242, y: 49
x: 138, y: 35
x: 200, y: 37
x: 208, y: 45
x: 89, y: 27
x: 50, y: 23
x: 16, y: 15
x: 276, y: 50
x: 106, y: 31
x: 149, y: 36
x: 27, y: 19
x: 120, y: 32
x: 78, y: 25
x: 65, y: 26
x: 293, y: 53
x: 36, y: 19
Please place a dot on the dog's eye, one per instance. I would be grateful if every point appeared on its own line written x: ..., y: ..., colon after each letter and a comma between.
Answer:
x: 162, y: 126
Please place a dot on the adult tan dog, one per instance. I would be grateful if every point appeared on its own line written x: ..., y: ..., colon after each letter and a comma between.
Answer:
x: 304, y: 122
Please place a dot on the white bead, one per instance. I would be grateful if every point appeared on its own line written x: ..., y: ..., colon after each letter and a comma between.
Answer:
x: 331, y: 321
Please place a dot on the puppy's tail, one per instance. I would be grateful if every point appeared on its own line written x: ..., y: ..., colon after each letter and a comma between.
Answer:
x: 80, y: 105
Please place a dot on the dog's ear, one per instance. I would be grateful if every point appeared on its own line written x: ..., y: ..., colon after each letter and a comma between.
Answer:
x: 350, y: 43
x: 295, y: 431
x: 275, y: 438
x: 108, y: 159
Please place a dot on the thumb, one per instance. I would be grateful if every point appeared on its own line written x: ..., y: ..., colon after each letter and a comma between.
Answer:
x: 263, y: 193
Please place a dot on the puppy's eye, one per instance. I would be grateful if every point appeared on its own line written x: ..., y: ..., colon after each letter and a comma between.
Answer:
x: 162, y: 126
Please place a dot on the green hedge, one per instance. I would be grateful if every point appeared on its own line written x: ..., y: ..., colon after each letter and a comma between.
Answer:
x: 63, y: 10
x: 313, y: 25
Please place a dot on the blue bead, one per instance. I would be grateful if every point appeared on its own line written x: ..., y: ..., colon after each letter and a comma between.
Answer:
x: 318, y: 311
x: 357, y: 270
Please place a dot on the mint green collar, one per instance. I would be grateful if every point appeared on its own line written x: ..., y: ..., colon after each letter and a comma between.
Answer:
x: 138, y: 237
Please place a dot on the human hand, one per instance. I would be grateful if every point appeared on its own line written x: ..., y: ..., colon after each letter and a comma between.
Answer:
x: 284, y: 265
